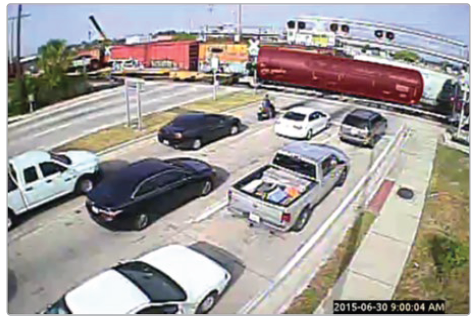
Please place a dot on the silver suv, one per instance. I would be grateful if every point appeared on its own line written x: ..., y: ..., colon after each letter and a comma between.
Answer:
x: 363, y: 127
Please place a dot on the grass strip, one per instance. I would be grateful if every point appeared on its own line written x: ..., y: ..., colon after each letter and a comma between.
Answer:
x: 323, y: 281
x: 118, y: 134
x: 438, y: 266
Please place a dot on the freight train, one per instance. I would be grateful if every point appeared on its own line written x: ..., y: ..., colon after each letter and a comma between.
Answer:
x: 286, y: 66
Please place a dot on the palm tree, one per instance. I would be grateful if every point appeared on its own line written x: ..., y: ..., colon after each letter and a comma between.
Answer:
x: 55, y: 59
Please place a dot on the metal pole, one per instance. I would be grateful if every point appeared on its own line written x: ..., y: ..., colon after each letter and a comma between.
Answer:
x: 256, y: 80
x: 139, y: 111
x: 128, y: 110
x: 239, y: 22
x: 19, y: 71
x: 460, y: 125
x: 214, y: 85
x: 12, y: 44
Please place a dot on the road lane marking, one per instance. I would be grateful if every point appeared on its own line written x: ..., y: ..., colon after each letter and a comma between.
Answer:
x: 250, y: 305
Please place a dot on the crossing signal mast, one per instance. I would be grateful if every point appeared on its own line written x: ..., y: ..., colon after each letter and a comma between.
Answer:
x: 357, y: 33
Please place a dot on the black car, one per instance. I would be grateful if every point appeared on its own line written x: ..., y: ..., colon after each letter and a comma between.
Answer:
x: 363, y: 127
x: 196, y: 129
x: 150, y: 187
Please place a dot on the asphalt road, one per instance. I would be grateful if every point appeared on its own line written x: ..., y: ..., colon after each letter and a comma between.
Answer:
x: 59, y: 246
x: 65, y: 124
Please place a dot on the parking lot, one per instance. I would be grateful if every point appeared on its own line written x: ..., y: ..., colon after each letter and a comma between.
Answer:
x: 59, y: 246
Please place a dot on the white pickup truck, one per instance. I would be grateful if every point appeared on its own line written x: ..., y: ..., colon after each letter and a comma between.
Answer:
x: 37, y: 177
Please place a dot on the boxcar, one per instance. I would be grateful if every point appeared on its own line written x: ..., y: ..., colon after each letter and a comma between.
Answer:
x: 302, y: 68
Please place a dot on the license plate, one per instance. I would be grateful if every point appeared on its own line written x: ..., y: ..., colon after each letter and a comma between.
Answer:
x: 95, y: 210
x: 166, y: 142
x: 354, y: 131
x: 255, y: 218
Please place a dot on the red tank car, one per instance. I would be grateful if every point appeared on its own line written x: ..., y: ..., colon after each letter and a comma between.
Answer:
x: 283, y: 65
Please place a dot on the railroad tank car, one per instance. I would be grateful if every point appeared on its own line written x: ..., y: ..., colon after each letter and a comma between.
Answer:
x: 281, y: 65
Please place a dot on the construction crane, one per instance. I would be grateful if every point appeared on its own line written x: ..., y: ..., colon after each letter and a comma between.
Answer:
x: 105, y: 41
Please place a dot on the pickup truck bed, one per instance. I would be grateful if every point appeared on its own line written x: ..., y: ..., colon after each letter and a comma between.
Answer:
x: 274, y: 186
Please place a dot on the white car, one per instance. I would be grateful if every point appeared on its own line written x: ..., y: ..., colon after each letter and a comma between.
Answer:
x: 301, y: 122
x: 171, y: 280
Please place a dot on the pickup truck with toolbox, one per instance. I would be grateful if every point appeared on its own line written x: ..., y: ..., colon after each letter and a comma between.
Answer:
x: 283, y: 194
x: 37, y: 177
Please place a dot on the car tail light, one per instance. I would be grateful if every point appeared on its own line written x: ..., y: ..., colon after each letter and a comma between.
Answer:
x: 286, y: 217
x: 230, y: 194
x: 178, y: 135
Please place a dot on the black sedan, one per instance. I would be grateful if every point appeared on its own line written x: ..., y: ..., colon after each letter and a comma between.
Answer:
x: 196, y: 129
x: 148, y: 188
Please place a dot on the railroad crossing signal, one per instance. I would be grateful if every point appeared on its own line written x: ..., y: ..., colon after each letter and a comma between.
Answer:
x: 253, y: 49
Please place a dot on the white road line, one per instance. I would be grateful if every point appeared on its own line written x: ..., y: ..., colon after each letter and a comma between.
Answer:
x: 250, y: 305
x: 210, y: 211
x: 51, y: 130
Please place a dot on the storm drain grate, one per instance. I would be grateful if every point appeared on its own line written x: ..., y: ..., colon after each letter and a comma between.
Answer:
x: 405, y: 193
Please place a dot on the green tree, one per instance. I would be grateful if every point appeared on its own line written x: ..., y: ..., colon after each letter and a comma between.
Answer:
x: 55, y: 59
x: 407, y: 55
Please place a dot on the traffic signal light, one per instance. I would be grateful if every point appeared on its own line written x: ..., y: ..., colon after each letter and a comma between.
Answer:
x: 378, y: 33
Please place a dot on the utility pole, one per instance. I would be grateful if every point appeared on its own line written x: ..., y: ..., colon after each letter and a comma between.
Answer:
x: 12, y: 44
x: 12, y: 35
x: 19, y: 71
x: 239, y: 23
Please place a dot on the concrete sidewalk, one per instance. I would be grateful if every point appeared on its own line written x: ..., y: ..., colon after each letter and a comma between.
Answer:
x: 376, y: 268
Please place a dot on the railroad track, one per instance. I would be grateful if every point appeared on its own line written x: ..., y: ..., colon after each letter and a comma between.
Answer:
x: 417, y: 110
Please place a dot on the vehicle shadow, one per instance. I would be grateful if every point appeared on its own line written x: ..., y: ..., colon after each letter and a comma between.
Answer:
x: 222, y: 257
x: 12, y: 284
x: 298, y: 104
x: 222, y: 176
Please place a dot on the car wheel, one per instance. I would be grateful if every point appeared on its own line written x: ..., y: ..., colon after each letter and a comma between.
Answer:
x: 372, y: 142
x: 302, y: 220
x: 234, y: 130
x: 84, y: 185
x: 197, y: 143
x: 309, y: 135
x: 141, y: 221
x: 342, y: 178
x: 208, y: 303
x: 11, y: 220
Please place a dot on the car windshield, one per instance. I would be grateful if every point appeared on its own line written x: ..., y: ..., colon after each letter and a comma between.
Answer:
x: 295, y: 164
x: 59, y: 307
x: 355, y: 121
x: 156, y: 285
x: 294, y: 116
x: 61, y: 158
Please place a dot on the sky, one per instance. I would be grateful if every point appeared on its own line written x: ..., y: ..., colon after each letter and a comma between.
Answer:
x: 70, y: 21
